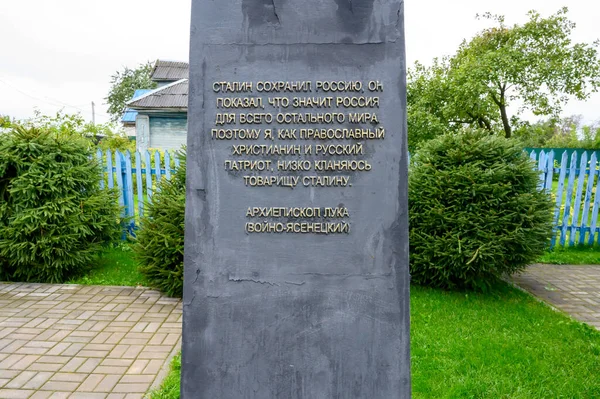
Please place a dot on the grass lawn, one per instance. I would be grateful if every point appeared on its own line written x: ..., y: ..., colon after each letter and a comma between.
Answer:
x: 114, y: 266
x: 169, y: 389
x: 503, y: 344
x: 572, y: 256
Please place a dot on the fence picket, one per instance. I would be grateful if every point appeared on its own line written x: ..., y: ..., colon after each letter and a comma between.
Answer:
x: 588, y: 196
x: 541, y: 168
x: 128, y: 180
x: 167, y: 165
x: 157, y: 166
x: 99, y: 159
x: 549, y: 171
x: 533, y: 156
x: 577, y: 203
x: 148, y: 176
x: 109, y: 168
x: 569, y: 195
x: 559, y: 194
x: 138, y: 181
x: 592, y: 236
x: 119, y: 174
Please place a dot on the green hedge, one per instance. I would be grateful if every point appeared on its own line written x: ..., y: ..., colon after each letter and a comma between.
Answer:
x: 475, y: 211
x: 159, y: 241
x: 53, y: 215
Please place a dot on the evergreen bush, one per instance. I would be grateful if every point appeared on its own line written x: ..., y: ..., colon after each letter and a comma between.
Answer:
x: 53, y: 215
x: 475, y: 211
x: 159, y: 241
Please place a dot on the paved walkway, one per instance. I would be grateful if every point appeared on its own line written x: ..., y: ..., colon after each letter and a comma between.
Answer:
x: 572, y: 289
x: 72, y: 341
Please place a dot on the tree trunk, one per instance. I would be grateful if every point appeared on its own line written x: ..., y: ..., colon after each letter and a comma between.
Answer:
x: 505, y: 122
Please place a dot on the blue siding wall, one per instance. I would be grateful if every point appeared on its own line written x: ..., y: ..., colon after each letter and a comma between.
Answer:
x: 168, y: 133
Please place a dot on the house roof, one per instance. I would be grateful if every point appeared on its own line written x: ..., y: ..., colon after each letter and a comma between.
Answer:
x: 130, y: 114
x: 169, y: 71
x: 174, y: 95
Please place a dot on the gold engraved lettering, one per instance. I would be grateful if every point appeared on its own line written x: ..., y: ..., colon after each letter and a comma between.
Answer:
x: 298, y: 228
x: 312, y: 102
x: 232, y: 87
x: 240, y: 102
x: 375, y: 85
x: 287, y: 134
x: 339, y: 86
x: 363, y: 118
x: 225, y: 119
x: 260, y: 165
x: 357, y: 102
x: 235, y: 134
x: 325, y: 181
x: 256, y: 118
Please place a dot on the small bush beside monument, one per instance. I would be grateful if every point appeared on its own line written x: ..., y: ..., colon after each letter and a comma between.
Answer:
x: 475, y: 211
x: 54, y: 218
x: 159, y: 241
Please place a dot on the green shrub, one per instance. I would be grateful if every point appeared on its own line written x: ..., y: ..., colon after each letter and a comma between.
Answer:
x: 475, y: 211
x: 159, y: 241
x: 53, y: 215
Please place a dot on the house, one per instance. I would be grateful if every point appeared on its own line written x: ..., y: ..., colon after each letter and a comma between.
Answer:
x: 161, y: 113
x: 128, y: 118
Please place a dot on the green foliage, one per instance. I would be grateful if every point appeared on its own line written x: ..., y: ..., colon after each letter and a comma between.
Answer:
x: 124, y: 84
x: 535, y: 64
x: 498, y: 344
x: 104, y: 136
x: 159, y: 241
x: 560, y: 133
x: 113, y: 266
x: 116, y: 142
x: 576, y: 255
x: 169, y: 389
x: 475, y: 211
x: 5, y: 122
x: 53, y: 216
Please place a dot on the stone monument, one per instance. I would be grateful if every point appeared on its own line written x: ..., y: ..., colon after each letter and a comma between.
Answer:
x: 296, y: 247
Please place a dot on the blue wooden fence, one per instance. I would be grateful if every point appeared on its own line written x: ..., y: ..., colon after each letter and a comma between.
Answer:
x: 135, y: 176
x: 573, y: 180
x: 572, y: 177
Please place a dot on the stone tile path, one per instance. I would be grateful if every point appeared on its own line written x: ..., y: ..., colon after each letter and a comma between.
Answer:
x: 71, y: 341
x: 572, y: 289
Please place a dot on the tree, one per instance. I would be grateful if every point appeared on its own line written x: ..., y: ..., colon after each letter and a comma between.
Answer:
x: 103, y: 135
x: 535, y: 65
x: 568, y: 132
x: 159, y: 241
x: 123, y: 85
x: 5, y: 122
x: 475, y: 211
x: 54, y: 217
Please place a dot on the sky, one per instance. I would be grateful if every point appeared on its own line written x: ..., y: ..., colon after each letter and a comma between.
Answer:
x: 60, y: 54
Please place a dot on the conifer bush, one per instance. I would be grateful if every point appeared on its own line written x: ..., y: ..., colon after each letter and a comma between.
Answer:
x: 54, y: 218
x: 159, y: 241
x: 475, y: 211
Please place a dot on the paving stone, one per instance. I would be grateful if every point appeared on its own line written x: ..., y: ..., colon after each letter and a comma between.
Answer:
x: 15, y: 393
x: 70, y: 341
x: 87, y: 395
x: 131, y: 387
x: 41, y: 395
x: 109, y: 382
x: 572, y: 289
x: 20, y: 380
x: 90, y: 382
